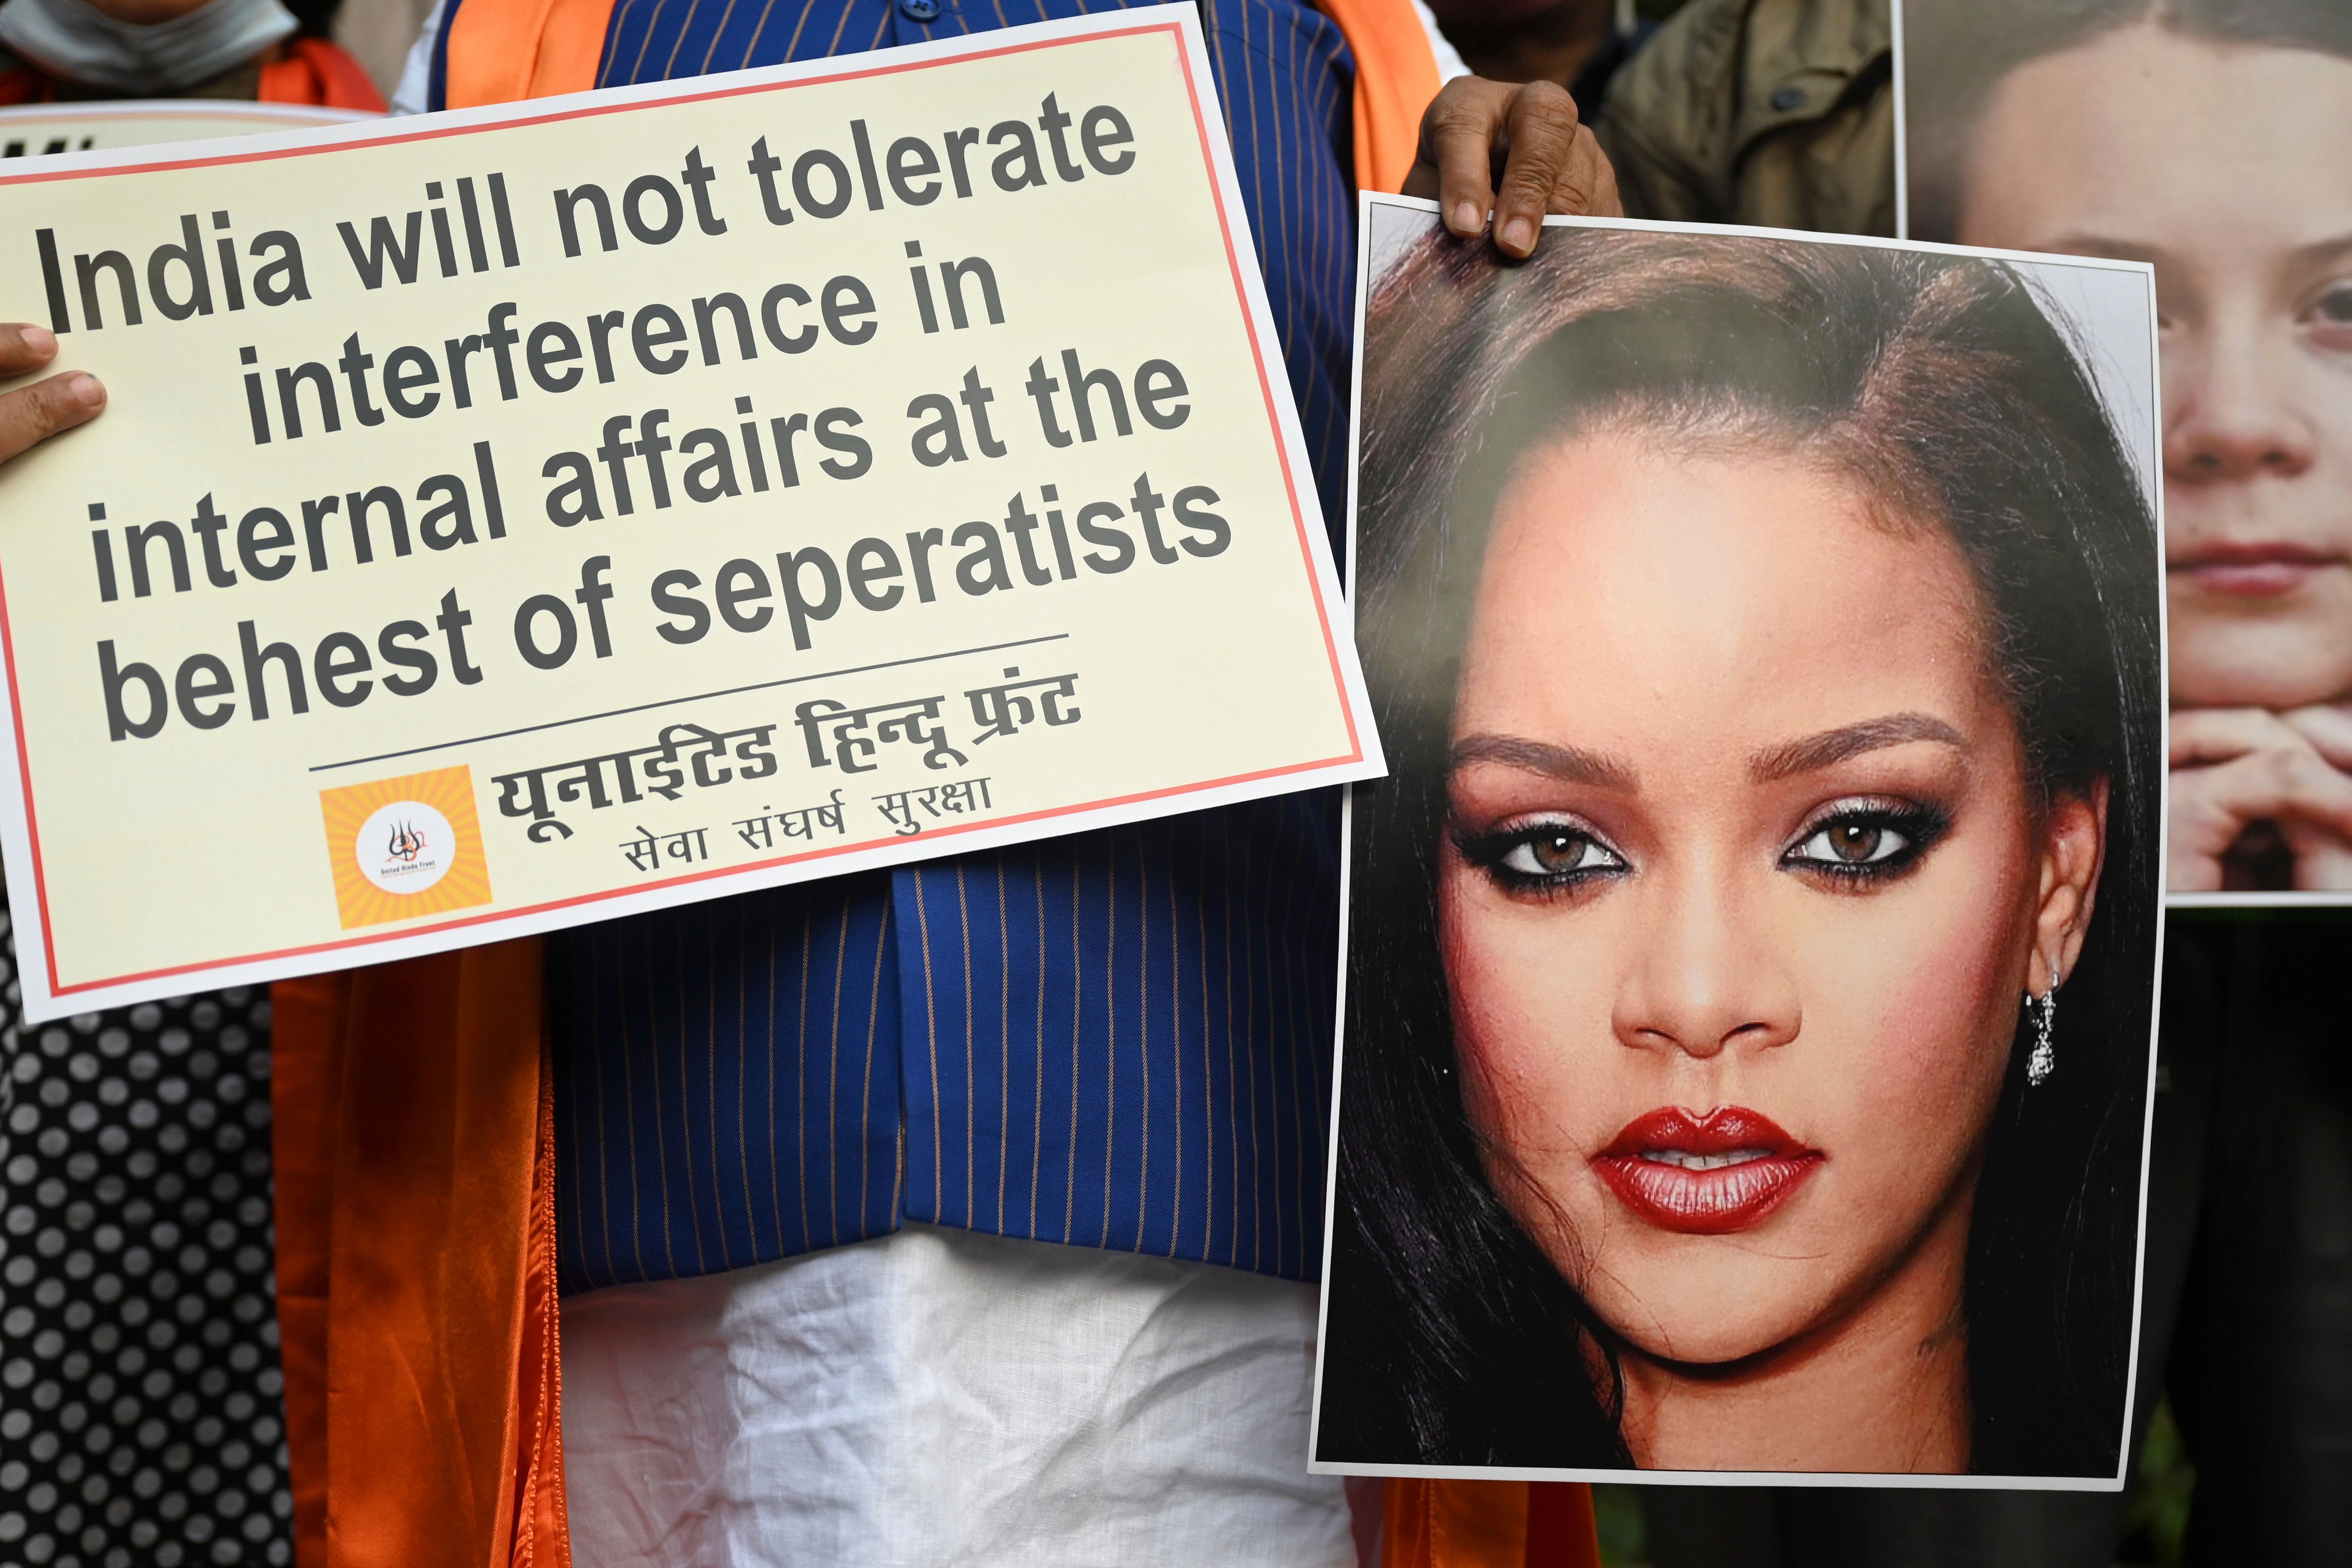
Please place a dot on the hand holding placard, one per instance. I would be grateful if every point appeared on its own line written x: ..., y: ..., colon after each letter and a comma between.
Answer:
x: 32, y: 414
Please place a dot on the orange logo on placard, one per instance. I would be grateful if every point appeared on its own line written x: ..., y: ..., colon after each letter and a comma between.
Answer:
x: 404, y: 847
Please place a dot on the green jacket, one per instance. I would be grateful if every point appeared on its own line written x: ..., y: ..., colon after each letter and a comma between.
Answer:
x: 1778, y: 112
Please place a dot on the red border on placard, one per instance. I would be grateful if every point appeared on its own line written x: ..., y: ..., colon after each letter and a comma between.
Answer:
x: 1266, y: 389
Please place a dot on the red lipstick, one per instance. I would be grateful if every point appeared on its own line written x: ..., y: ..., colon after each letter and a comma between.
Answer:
x: 1705, y: 1174
x: 2252, y: 569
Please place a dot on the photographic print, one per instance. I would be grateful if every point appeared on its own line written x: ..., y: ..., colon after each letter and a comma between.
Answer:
x: 1750, y: 961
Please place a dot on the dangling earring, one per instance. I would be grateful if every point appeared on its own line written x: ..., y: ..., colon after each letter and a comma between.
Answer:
x: 2040, y: 1062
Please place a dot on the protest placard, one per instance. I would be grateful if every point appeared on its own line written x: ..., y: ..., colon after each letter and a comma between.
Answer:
x: 526, y: 516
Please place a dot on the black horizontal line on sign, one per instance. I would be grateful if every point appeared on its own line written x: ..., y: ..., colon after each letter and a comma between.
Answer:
x: 697, y: 697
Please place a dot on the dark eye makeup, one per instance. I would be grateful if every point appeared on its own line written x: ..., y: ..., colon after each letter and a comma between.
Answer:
x: 1544, y: 855
x: 1866, y: 841
x: 1854, y: 843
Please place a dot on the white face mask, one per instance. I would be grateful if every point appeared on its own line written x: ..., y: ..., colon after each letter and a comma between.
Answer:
x: 67, y: 38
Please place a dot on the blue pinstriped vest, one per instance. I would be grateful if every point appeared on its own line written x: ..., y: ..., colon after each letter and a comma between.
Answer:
x: 1117, y: 1039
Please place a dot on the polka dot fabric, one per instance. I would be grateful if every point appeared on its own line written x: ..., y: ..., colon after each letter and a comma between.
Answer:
x: 141, y: 1420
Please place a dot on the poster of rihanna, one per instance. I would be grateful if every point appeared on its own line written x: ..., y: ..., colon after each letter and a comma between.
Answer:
x: 1747, y: 1038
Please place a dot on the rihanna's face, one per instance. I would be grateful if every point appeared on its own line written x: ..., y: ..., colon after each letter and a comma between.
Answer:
x: 2229, y: 168
x: 1742, y: 887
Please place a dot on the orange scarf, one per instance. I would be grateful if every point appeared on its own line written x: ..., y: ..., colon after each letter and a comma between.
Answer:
x: 1488, y: 1524
x: 414, y: 1140
x: 313, y: 71
x: 1396, y: 76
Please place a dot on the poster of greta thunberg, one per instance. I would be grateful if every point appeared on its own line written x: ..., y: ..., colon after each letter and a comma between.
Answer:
x: 2213, y: 139
x: 1752, y: 956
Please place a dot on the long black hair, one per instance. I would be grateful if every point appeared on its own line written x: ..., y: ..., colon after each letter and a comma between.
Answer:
x: 1941, y: 385
x: 1974, y: 45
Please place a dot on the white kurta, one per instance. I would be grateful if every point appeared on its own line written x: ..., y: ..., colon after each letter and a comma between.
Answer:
x: 938, y: 1399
